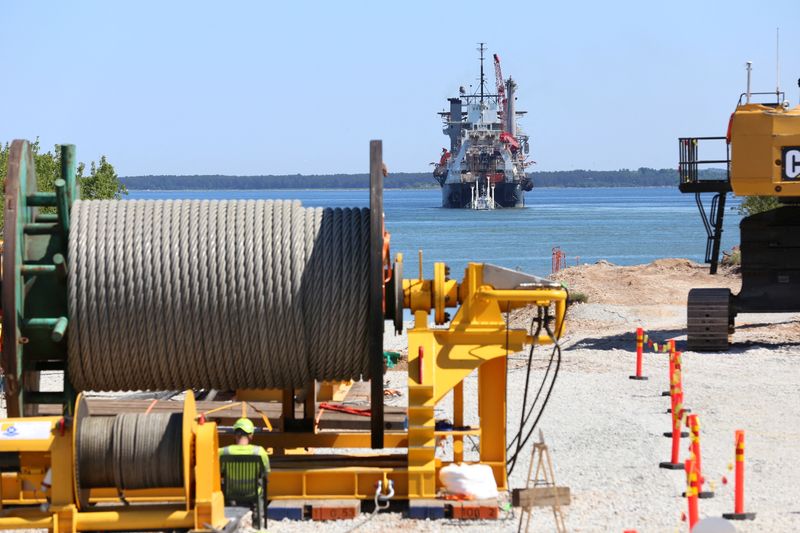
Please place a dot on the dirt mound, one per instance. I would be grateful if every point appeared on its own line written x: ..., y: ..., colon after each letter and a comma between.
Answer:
x: 662, y: 282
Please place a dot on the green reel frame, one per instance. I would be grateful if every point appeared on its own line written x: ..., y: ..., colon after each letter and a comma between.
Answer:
x: 34, y: 284
x: 34, y: 280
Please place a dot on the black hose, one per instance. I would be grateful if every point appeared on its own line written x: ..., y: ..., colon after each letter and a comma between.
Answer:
x: 534, y: 334
x: 521, y: 444
x: 525, y: 417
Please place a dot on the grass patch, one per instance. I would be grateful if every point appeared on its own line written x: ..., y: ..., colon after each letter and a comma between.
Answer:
x: 577, y: 298
x: 732, y: 258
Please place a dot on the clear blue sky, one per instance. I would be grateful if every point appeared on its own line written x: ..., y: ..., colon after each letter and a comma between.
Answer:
x: 301, y: 87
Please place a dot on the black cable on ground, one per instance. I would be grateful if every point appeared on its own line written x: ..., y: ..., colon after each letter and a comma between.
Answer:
x: 520, y: 441
x: 534, y: 334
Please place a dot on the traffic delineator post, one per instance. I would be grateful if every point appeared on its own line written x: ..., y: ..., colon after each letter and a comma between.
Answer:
x: 693, y: 423
x: 639, y: 353
x: 676, y: 388
x: 671, y: 345
x: 738, y: 508
x: 692, y: 481
x: 676, y: 382
x: 677, y: 417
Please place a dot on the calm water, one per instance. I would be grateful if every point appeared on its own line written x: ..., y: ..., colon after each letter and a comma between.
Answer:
x: 621, y: 225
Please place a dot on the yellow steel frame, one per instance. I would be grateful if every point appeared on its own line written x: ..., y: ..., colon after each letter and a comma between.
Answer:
x: 198, y: 504
x: 438, y: 361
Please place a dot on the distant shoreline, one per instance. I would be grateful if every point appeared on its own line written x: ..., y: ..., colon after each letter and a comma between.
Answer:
x: 411, y: 189
x: 642, y: 177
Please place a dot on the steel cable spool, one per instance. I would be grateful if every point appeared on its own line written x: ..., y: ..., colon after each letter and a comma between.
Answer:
x: 95, y: 460
x: 147, y: 450
x: 168, y: 295
x: 130, y: 451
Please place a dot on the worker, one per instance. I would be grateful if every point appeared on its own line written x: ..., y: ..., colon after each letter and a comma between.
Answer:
x: 243, y: 430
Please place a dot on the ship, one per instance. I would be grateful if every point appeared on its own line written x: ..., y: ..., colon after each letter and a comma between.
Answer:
x: 484, y: 168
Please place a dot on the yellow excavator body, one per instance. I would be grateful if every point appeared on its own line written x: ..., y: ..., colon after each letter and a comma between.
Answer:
x: 765, y: 151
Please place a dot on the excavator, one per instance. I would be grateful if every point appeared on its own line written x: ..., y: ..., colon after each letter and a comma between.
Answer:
x: 762, y: 158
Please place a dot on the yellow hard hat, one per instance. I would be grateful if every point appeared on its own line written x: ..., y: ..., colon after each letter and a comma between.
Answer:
x: 245, y: 425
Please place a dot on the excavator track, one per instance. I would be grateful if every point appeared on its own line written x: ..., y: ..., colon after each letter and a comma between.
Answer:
x: 709, y: 320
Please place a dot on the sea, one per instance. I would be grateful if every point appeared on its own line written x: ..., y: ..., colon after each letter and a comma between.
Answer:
x: 624, y: 226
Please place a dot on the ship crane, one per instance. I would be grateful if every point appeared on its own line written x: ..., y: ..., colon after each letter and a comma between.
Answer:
x: 501, y: 88
x: 502, y: 102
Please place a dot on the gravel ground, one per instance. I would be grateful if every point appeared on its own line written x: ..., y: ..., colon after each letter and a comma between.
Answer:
x: 605, y: 430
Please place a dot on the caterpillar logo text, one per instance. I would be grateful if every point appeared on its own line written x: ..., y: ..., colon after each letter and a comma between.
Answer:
x: 791, y: 162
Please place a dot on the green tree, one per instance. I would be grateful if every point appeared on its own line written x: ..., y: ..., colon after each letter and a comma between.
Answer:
x: 752, y: 205
x: 101, y: 183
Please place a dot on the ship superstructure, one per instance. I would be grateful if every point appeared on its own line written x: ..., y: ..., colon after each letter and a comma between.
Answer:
x: 485, y: 165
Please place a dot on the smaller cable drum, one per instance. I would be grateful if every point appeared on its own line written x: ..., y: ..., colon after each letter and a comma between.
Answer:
x: 130, y: 451
x: 216, y: 294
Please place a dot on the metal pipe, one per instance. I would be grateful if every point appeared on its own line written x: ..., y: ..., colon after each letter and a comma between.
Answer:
x: 22, y: 522
x: 58, y: 325
x: 135, y: 520
x: 37, y: 269
x: 42, y: 323
x: 777, y: 64
x: 69, y: 169
x: 59, y: 329
x: 345, y: 439
x: 749, y: 66
x: 62, y: 204
x: 61, y: 266
x: 39, y: 228
x: 39, y: 199
x: 516, y: 295
x: 375, y: 320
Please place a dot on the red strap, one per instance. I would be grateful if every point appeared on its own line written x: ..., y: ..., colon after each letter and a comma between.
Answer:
x: 343, y: 409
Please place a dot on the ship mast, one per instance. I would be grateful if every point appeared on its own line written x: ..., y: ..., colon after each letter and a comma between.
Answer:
x: 483, y: 78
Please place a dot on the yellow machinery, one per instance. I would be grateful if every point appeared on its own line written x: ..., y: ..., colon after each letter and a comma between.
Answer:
x: 87, y: 303
x: 765, y: 145
x: 42, y: 479
x: 763, y: 159
x: 439, y: 359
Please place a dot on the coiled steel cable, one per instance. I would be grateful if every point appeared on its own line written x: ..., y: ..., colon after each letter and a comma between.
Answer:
x: 131, y: 451
x: 95, y: 458
x: 228, y: 294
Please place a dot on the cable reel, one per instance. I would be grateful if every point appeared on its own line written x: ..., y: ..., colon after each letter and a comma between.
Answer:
x: 133, y: 451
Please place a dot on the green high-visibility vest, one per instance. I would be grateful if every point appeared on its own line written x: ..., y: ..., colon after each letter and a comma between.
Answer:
x: 247, y: 449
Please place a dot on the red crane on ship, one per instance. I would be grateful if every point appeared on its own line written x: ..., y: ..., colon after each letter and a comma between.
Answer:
x: 505, y: 137
x: 501, y: 88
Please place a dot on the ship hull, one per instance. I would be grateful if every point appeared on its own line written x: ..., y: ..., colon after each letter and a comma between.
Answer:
x: 459, y: 195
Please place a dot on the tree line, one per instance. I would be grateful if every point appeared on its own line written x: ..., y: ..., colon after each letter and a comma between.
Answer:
x: 101, y: 181
x: 642, y: 177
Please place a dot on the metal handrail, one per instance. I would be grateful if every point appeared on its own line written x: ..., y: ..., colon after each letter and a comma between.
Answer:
x: 781, y: 96
x: 688, y: 161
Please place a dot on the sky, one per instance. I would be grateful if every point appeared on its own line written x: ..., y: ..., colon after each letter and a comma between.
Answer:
x: 271, y: 87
